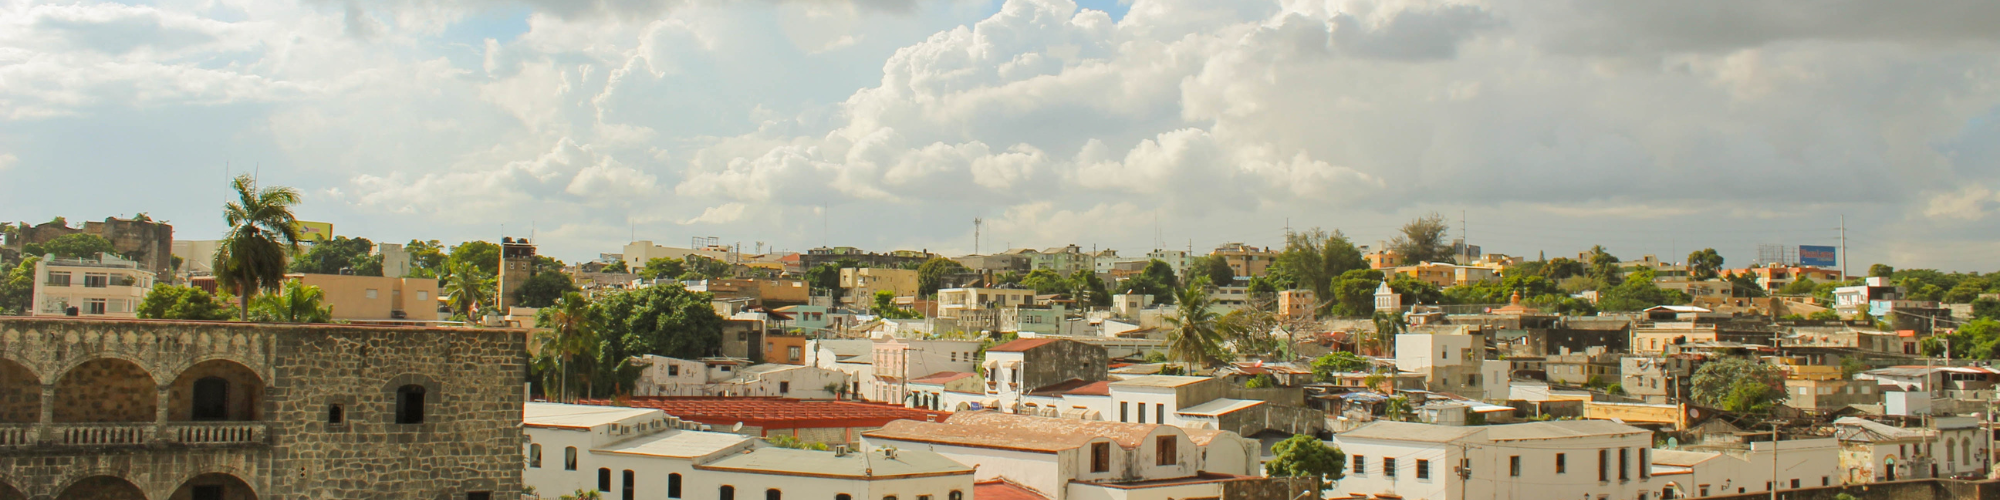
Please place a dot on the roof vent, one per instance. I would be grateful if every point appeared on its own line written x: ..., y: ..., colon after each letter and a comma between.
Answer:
x: 840, y: 450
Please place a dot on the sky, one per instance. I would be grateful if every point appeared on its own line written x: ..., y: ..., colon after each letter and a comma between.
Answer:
x: 1537, y: 127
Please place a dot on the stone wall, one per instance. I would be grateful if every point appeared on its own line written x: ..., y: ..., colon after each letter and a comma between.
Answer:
x: 289, y: 375
x: 149, y: 243
x: 20, y: 395
x: 1270, y: 488
x: 106, y: 390
x: 1922, y: 489
x: 1062, y: 361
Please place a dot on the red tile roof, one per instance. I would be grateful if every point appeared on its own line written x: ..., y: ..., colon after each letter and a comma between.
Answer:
x: 1002, y: 489
x: 1101, y: 388
x: 940, y: 377
x: 779, y: 413
x: 1021, y: 345
x: 1059, y: 388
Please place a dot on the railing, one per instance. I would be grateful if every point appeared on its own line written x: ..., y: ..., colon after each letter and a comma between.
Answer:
x: 121, y: 433
x: 216, y: 432
x: 15, y: 435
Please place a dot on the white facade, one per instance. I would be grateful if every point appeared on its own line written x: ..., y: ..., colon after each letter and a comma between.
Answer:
x: 791, y: 381
x: 1058, y: 457
x: 105, y: 287
x: 1420, y: 352
x: 645, y: 455
x: 1532, y: 461
x: 664, y: 376
x: 1802, y: 463
x: 638, y: 252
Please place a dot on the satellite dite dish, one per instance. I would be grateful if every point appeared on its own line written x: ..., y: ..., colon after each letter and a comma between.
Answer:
x: 1673, y: 443
x: 736, y: 428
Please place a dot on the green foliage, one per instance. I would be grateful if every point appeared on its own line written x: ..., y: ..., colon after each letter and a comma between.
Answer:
x: 1986, y: 307
x: 885, y: 306
x: 583, y: 495
x: 544, y: 288
x: 340, y: 253
x: 1191, y: 336
x: 1616, y: 389
x: 1261, y: 381
x: 825, y: 277
x: 72, y: 246
x: 1157, y: 280
x: 1339, y: 362
x: 704, y: 268
x: 1423, y: 240
x: 467, y: 287
x: 930, y: 275
x: 1881, y: 271
x: 570, y: 349
x: 1215, y: 268
x: 1966, y: 291
x: 1044, y: 281
x: 295, y: 302
x: 783, y: 441
x: 1303, y: 455
x: 1801, y: 286
x: 1354, y: 292
x: 1850, y: 366
x: 262, y: 233
x: 17, y: 286
x: 183, y: 302
x: 427, y: 258
x: 1704, y: 264
x: 1262, y: 292
x: 1398, y: 409
x: 1745, y: 285
x: 1317, y: 260
x: 665, y: 320
x: 480, y: 254
x: 1388, y: 324
x: 1738, y: 384
x: 1604, y: 267
x: 1844, y: 496
x: 617, y: 266
x: 1638, y: 293
x: 1531, y: 287
x: 667, y: 268
x: 1560, y: 268
x: 1826, y: 315
x: 1976, y: 339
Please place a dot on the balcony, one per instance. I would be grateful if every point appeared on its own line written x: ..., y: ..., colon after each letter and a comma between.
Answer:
x: 79, y: 435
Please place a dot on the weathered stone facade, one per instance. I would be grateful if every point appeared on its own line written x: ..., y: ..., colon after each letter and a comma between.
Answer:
x: 150, y: 243
x: 184, y: 410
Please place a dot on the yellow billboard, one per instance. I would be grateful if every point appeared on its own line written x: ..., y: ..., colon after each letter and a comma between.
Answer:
x: 314, y: 231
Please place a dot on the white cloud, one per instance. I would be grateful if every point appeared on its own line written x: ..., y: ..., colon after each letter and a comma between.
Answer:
x: 7, y: 161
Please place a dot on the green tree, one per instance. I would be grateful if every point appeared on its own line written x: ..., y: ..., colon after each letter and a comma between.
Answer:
x: 1326, y: 366
x: 1303, y: 455
x: 262, y: 233
x: 294, y: 302
x: 1088, y: 290
x: 667, y: 268
x: 885, y: 306
x: 166, y: 301
x: 1986, y: 307
x: 783, y: 441
x: 427, y: 258
x: 480, y: 254
x: 1638, y: 293
x: 1215, y: 268
x: 1044, y: 281
x: 617, y: 266
x: 825, y: 277
x: 356, y: 255
x: 1705, y: 264
x: 704, y: 268
x: 1261, y: 381
x: 1881, y: 271
x: 467, y: 287
x: 1824, y: 315
x: 1398, y: 409
x: 17, y: 286
x: 568, y: 336
x: 73, y: 246
x: 1191, y: 336
x: 1745, y: 285
x: 1560, y: 268
x: 1423, y: 240
x: 1727, y: 384
x: 1388, y: 324
x: 1353, y: 292
x: 1604, y: 266
x: 1966, y: 291
x: 663, y: 320
x: 1157, y: 280
x: 1316, y: 259
x: 1801, y: 286
x: 544, y: 289
x: 1851, y: 365
x: 931, y: 275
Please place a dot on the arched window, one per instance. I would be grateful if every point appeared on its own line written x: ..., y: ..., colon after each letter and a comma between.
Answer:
x: 1965, y: 444
x: 728, y: 493
x: 603, y: 479
x: 410, y: 404
x: 569, y: 458
x: 674, y: 485
x: 211, y: 399
x: 955, y: 495
x: 535, y: 455
x: 773, y: 494
x: 843, y: 496
x: 629, y: 479
x: 335, y: 414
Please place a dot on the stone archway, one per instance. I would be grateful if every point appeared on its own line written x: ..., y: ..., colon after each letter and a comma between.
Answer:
x: 217, y: 389
x: 20, y: 394
x: 8, y: 492
x: 102, y: 488
x: 214, y: 486
x: 106, y: 390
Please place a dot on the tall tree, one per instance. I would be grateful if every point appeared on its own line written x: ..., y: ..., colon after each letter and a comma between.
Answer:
x: 1316, y: 259
x: 166, y: 301
x: 17, y: 286
x: 544, y: 288
x: 1881, y: 271
x: 1088, y: 290
x: 294, y: 302
x: 1303, y: 455
x: 569, y: 335
x: 1192, y: 338
x: 664, y: 320
x: 480, y: 254
x: 1045, y: 281
x: 825, y: 277
x: 356, y: 255
x: 1423, y: 240
x: 1215, y: 268
x: 427, y: 258
x: 72, y: 246
x: 467, y: 287
x: 663, y: 268
x: 262, y: 233
x: 1604, y: 266
x: 931, y: 275
x: 1705, y: 264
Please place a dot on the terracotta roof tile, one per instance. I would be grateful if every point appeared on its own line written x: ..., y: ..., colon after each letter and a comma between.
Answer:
x: 1002, y: 489
x: 1060, y: 388
x: 990, y: 429
x: 1021, y: 345
x: 940, y: 377
x: 1099, y: 388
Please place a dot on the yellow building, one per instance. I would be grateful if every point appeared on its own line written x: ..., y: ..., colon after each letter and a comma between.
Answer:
x: 1245, y: 260
x: 363, y: 299
x: 860, y: 284
x: 1448, y: 275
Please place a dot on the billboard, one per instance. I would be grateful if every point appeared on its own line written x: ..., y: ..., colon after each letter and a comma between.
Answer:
x: 314, y: 231
x: 1819, y: 256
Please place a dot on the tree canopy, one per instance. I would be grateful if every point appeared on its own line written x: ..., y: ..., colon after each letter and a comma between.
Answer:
x: 293, y: 302
x: 1423, y: 240
x: 1638, y: 292
x: 17, y: 285
x: 666, y: 320
x: 340, y: 254
x: 1157, y: 279
x: 931, y: 275
x: 427, y: 258
x: 1340, y: 362
x: 1739, y: 385
x: 262, y: 234
x: 183, y: 302
x: 543, y: 289
x: 71, y: 246
x: 1704, y: 264
x: 479, y: 254
x: 1303, y: 455
x: 666, y: 268
x: 1215, y: 268
x: 1316, y: 260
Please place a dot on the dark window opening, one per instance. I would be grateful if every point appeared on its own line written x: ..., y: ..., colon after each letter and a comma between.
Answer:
x: 728, y: 493
x: 335, y: 414
x: 603, y: 479
x: 955, y: 495
x: 1603, y: 465
x: 479, y: 495
x: 211, y: 399
x: 1165, y: 448
x: 1423, y: 469
x: 1100, y: 457
x: 1514, y: 466
x: 673, y: 485
x: 629, y: 479
x: 535, y: 455
x: 410, y: 405
x: 843, y: 496
x: 210, y: 492
x: 1561, y: 467
x: 569, y: 458
x: 1388, y: 467
x: 774, y: 494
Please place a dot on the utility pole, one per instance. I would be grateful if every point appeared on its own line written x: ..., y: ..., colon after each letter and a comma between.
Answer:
x: 1465, y: 243
x: 1843, y: 247
x: 1774, y: 460
x: 975, y: 234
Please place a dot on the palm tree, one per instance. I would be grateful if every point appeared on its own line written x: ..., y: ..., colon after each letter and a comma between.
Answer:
x: 1193, y: 338
x: 467, y: 287
x: 1387, y: 326
x: 1397, y: 408
x: 252, y: 254
x: 570, y: 332
x: 295, y: 302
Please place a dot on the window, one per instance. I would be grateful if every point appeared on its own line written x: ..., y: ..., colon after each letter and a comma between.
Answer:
x: 1561, y: 466
x: 603, y: 479
x: 843, y: 496
x: 1388, y: 467
x: 1423, y: 469
x: 1704, y: 490
x: 674, y: 485
x: 1100, y: 457
x: 479, y: 495
x: 1624, y: 464
x: 211, y: 399
x: 371, y: 293
x: 784, y: 387
x: 673, y: 370
x: 955, y: 495
x: 1825, y: 481
x: 1360, y: 465
x: 1603, y: 459
x: 1164, y: 448
x: 727, y: 493
x: 535, y: 455
x: 629, y: 479
x: 94, y: 306
x: 1514, y: 466
x: 923, y: 497
x: 1159, y: 413
x: 774, y: 494
x: 794, y: 351
x: 410, y: 405
x: 96, y: 280
x: 1123, y: 412
x: 1795, y: 484
x: 569, y: 458
x: 58, y: 279
x: 1142, y: 413
x: 1645, y: 463
x: 335, y: 414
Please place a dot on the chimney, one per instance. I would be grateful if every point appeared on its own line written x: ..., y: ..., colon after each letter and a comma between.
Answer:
x: 840, y: 450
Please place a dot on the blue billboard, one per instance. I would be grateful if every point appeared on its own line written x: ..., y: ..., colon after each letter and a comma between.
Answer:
x: 1818, y: 256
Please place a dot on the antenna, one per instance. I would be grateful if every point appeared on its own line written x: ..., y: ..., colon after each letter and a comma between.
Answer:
x: 1843, y: 246
x: 975, y: 234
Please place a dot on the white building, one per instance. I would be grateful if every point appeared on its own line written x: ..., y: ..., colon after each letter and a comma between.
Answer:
x: 638, y: 252
x: 1453, y: 363
x: 664, y: 376
x: 782, y: 380
x: 105, y: 287
x: 1873, y: 451
x: 643, y: 454
x: 1799, y: 463
x: 1530, y: 461
x: 1068, y: 459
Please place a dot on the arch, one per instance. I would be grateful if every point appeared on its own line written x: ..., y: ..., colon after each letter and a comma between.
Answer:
x: 8, y: 492
x: 20, y: 394
x: 726, y: 492
x: 240, y: 389
x: 79, y: 361
x: 603, y: 479
x: 774, y: 494
x: 107, y: 390
x: 843, y: 496
x: 101, y: 488
x: 397, y: 388
x: 1965, y: 450
x: 214, y: 486
x: 963, y: 406
x: 534, y: 455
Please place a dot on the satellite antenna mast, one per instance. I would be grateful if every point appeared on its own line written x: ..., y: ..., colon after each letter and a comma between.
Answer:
x: 975, y: 234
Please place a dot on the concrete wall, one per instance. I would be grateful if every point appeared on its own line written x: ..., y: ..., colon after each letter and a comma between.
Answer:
x: 350, y: 300
x: 1923, y: 489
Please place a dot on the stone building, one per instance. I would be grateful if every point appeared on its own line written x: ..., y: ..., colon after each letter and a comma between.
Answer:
x: 150, y: 243
x: 138, y: 409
